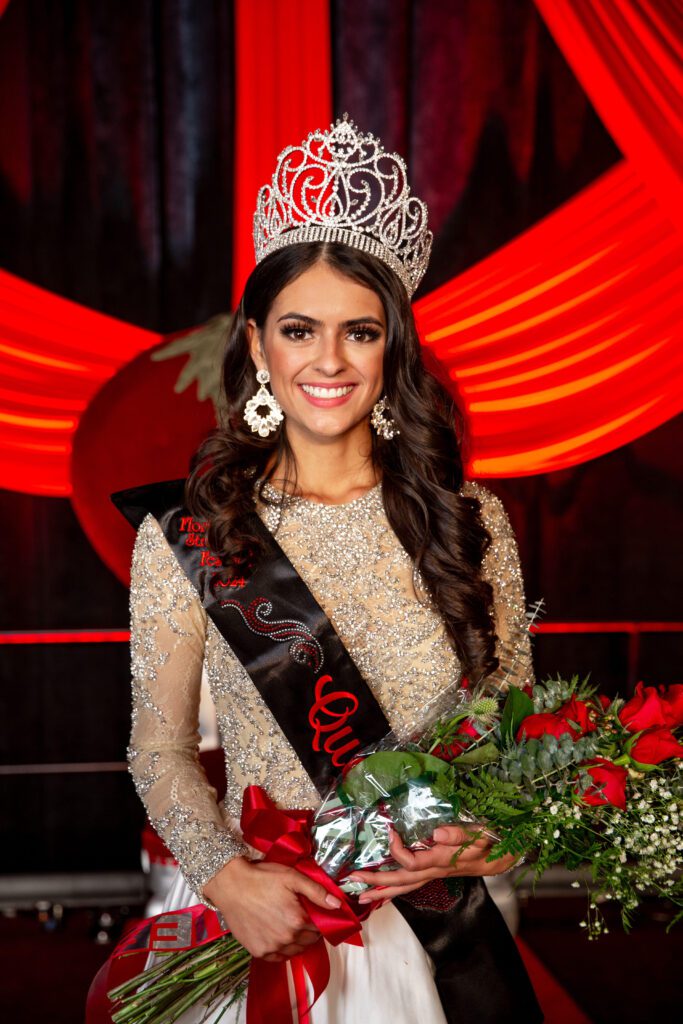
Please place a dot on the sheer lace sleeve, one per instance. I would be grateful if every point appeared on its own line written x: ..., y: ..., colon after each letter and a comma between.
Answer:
x: 501, y: 567
x: 168, y: 634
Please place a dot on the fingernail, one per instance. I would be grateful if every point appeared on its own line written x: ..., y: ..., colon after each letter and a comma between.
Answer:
x: 439, y: 834
x: 353, y: 878
x: 332, y: 901
x: 364, y: 899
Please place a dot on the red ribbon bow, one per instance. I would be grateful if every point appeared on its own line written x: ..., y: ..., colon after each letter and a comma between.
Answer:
x: 284, y: 837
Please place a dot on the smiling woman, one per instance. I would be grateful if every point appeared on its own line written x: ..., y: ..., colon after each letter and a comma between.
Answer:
x: 345, y: 560
x: 329, y: 358
x: 326, y: 449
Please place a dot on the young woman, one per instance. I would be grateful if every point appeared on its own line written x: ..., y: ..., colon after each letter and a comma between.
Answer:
x: 355, y: 471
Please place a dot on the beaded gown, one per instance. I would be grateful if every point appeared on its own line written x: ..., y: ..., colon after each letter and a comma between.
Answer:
x: 359, y: 573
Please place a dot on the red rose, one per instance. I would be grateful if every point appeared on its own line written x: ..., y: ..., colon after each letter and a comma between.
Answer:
x: 646, y: 710
x: 545, y: 724
x: 673, y: 699
x: 467, y: 731
x: 610, y: 784
x: 654, y: 746
x: 578, y: 712
x: 604, y: 701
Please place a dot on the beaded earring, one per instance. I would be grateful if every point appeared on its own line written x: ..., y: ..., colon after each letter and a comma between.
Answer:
x: 385, y: 426
x: 263, y: 425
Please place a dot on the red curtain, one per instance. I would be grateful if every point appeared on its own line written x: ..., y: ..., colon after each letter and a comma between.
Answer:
x: 283, y: 69
x: 628, y: 56
x: 564, y: 344
x: 54, y: 357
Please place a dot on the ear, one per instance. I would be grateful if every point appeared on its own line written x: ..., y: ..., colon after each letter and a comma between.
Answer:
x: 255, y: 347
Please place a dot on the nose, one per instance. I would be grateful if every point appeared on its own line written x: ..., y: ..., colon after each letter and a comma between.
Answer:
x: 329, y: 357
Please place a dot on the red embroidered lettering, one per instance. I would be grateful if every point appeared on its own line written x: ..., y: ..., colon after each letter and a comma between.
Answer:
x: 195, y: 540
x: 210, y: 559
x: 327, y: 706
x: 188, y: 524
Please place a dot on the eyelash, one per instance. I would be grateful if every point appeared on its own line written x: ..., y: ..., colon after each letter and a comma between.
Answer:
x: 372, y: 332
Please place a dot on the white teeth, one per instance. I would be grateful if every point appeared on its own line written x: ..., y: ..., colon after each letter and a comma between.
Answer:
x: 326, y: 392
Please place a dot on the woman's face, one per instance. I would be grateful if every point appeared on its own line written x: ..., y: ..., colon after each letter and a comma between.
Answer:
x: 323, y: 344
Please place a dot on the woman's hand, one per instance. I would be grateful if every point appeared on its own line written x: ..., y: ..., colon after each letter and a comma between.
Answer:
x: 425, y: 865
x: 260, y: 905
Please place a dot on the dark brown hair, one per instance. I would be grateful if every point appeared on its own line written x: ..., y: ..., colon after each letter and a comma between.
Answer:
x: 421, y: 469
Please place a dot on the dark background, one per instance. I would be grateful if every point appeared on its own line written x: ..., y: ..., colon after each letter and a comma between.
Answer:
x: 117, y: 193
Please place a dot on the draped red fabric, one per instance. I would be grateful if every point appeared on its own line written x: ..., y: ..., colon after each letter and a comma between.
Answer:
x: 283, y: 91
x: 628, y: 56
x: 54, y: 356
x: 565, y: 343
x: 562, y: 345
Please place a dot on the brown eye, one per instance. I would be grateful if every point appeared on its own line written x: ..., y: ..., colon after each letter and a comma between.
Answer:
x: 365, y: 333
x: 296, y: 332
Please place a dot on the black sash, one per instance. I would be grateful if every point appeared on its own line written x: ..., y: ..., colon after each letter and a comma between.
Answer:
x: 309, y: 681
x: 281, y: 635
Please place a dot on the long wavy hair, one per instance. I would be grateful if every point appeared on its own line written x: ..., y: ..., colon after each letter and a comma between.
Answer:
x: 421, y: 469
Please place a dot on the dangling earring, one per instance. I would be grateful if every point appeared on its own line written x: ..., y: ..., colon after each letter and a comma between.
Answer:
x: 263, y: 425
x: 385, y: 427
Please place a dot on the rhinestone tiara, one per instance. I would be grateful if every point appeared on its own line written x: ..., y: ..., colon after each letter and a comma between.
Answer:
x: 341, y: 186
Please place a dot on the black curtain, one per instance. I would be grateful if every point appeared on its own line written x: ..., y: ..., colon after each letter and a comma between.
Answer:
x: 117, y: 191
x: 495, y: 129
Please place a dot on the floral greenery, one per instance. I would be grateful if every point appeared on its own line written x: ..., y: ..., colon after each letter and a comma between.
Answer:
x: 538, y: 796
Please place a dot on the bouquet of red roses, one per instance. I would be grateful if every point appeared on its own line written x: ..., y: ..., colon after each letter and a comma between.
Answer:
x: 554, y: 772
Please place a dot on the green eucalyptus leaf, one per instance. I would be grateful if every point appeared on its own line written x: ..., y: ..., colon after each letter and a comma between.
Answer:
x: 562, y: 757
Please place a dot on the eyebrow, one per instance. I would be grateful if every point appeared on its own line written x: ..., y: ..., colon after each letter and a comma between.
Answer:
x: 343, y: 323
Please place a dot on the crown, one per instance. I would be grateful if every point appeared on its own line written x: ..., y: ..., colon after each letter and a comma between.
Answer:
x: 341, y: 186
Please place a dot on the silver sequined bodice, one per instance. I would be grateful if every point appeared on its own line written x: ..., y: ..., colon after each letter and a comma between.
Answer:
x: 356, y: 568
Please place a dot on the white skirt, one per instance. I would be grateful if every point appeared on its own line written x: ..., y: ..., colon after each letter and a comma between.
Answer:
x: 388, y: 978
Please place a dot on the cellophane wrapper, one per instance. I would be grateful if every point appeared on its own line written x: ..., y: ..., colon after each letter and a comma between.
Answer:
x: 352, y: 827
